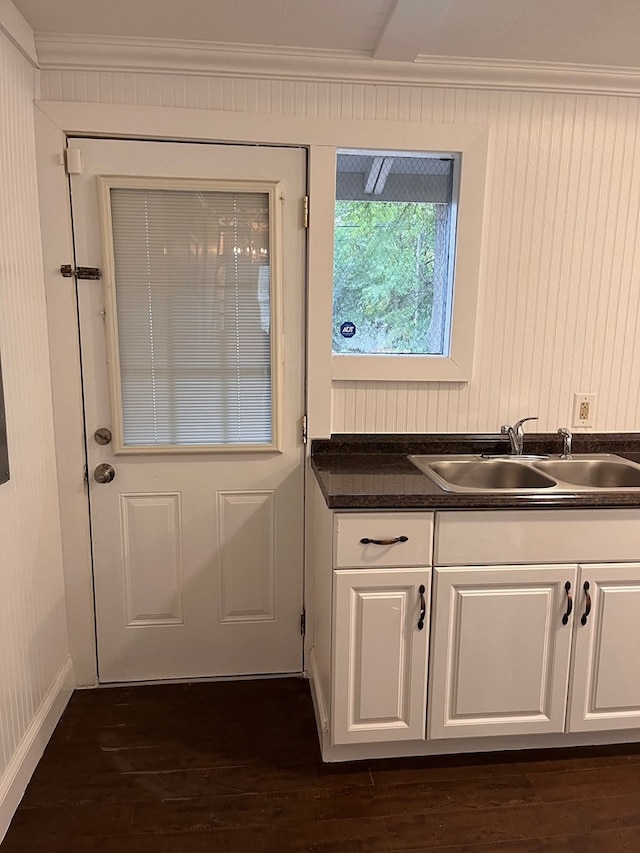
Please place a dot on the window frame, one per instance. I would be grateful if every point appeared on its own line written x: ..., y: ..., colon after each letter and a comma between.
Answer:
x: 470, y: 153
x: 273, y: 190
x: 452, y: 229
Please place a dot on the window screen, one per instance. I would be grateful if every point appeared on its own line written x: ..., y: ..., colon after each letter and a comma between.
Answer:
x: 193, y: 316
x: 393, y: 253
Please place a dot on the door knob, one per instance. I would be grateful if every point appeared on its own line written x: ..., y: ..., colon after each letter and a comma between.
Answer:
x: 104, y: 473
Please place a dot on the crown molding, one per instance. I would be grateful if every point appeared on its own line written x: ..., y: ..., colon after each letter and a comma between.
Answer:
x: 168, y: 56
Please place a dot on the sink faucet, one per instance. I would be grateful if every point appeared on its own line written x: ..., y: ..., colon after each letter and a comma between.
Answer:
x: 566, y: 442
x: 516, y: 435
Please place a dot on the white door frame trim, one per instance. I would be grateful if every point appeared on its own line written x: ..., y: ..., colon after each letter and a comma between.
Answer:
x: 53, y: 125
x: 320, y: 137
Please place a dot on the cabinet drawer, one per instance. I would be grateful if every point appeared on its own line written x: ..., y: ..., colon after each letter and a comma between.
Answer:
x: 389, y: 528
x: 537, y: 536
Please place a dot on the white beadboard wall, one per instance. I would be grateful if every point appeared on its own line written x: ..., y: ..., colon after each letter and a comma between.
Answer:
x: 560, y: 272
x: 33, y: 641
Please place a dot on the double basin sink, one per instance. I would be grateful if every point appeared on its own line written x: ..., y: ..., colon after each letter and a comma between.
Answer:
x: 589, y: 472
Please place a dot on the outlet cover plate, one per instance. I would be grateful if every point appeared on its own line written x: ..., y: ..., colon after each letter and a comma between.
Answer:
x: 584, y: 410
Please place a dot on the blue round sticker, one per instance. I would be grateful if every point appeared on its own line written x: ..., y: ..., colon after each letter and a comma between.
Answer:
x: 348, y: 330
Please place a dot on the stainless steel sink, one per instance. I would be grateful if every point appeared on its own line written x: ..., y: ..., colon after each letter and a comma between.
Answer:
x: 519, y: 475
x: 491, y: 475
x: 615, y: 473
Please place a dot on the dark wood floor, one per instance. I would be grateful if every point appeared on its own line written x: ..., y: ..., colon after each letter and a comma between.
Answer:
x: 235, y: 767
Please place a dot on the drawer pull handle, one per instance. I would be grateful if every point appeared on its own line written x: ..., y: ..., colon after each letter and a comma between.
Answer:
x: 567, y: 589
x: 587, y: 610
x: 423, y: 608
x: 366, y: 541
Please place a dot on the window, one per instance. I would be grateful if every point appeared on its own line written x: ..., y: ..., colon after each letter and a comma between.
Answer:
x: 393, y: 253
x: 407, y: 230
x: 193, y: 304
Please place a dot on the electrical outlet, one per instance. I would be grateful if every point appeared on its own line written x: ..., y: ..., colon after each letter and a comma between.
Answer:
x: 584, y: 410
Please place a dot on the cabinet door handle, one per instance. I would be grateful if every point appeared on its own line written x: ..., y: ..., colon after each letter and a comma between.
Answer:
x: 366, y: 541
x: 587, y: 610
x: 423, y: 607
x: 567, y: 589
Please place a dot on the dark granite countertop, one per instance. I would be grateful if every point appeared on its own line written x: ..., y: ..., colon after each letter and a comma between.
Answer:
x: 373, y: 472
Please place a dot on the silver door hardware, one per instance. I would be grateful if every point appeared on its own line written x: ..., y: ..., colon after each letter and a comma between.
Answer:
x: 87, y: 273
x: 104, y: 473
x: 102, y: 435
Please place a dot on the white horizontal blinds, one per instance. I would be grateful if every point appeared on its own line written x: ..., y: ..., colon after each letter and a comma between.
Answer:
x: 192, y: 294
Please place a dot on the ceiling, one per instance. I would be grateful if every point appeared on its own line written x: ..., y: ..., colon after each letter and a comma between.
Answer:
x: 582, y: 32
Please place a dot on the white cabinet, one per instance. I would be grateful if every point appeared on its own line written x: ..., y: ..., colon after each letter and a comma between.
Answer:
x: 380, y: 608
x: 381, y: 632
x: 534, y: 634
x: 605, y: 691
x: 500, y: 650
x: 491, y: 662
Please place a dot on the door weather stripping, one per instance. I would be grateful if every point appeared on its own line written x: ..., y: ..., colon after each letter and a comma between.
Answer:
x: 88, y: 273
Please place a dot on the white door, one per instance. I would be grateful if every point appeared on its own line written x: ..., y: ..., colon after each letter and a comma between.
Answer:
x: 605, y: 691
x: 500, y: 650
x: 193, y: 352
x: 381, y: 635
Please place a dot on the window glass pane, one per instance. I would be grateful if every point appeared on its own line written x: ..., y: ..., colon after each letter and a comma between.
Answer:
x: 393, y: 253
x: 192, y: 294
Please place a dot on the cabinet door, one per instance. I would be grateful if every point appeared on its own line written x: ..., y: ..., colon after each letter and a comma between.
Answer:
x: 380, y: 655
x: 605, y: 691
x: 500, y: 650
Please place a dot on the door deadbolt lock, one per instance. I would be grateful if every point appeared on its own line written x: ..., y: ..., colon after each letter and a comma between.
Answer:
x: 102, y: 435
x: 104, y: 473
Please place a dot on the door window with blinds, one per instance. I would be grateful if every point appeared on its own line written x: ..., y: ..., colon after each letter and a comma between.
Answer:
x: 192, y: 284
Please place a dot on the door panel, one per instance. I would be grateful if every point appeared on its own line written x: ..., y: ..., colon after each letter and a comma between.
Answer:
x: 246, y: 521
x: 380, y: 668
x: 197, y: 553
x: 152, y: 558
x: 605, y: 692
x: 499, y: 651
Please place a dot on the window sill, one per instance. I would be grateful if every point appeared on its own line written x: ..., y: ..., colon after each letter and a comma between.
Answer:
x: 400, y: 368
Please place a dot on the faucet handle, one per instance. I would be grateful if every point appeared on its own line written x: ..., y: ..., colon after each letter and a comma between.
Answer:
x: 518, y: 424
x: 566, y: 442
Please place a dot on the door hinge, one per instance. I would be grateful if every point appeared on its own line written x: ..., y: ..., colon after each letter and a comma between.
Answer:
x: 87, y: 273
x: 306, y: 211
x: 305, y: 436
x: 303, y: 622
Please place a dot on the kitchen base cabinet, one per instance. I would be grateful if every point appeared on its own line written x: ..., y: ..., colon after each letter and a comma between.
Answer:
x: 381, y: 635
x: 534, y: 642
x: 500, y: 650
x: 605, y: 691
x: 368, y: 659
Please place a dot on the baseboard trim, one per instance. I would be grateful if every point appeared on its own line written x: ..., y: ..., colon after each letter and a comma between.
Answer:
x: 15, y: 778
